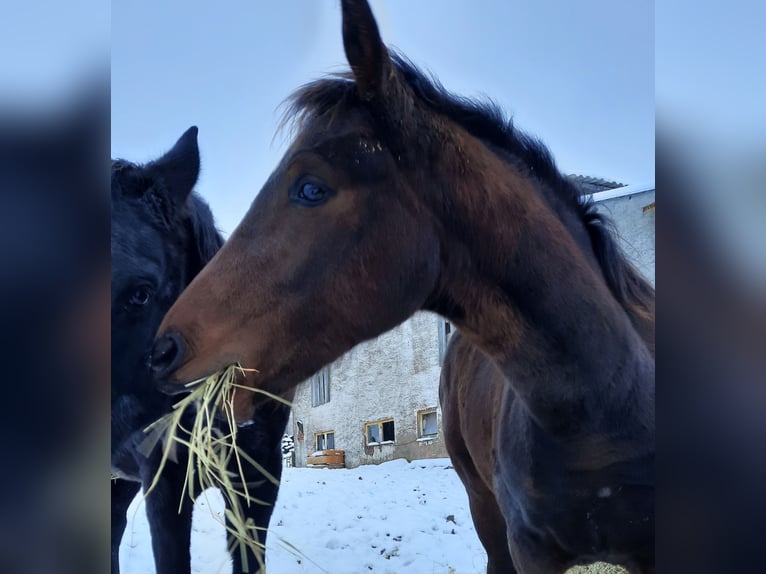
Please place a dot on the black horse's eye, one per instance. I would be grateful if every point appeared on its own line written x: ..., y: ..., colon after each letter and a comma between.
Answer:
x: 311, y: 194
x: 140, y: 296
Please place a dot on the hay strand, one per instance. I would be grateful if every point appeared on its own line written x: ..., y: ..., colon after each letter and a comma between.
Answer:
x: 211, y: 453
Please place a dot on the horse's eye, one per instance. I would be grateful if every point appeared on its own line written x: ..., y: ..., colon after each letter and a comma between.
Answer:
x: 311, y: 193
x: 140, y: 296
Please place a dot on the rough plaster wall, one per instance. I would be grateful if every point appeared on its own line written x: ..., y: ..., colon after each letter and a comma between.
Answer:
x: 635, y: 228
x: 393, y: 376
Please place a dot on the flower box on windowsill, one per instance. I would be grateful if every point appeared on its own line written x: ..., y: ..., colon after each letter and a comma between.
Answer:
x: 328, y: 458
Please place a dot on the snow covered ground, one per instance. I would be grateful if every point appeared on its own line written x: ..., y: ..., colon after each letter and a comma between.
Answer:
x: 394, y: 518
x: 397, y: 517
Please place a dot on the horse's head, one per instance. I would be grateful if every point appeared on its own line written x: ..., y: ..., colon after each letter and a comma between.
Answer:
x: 338, y: 246
x: 162, y: 235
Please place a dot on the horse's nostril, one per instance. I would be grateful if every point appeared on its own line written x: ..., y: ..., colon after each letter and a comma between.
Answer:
x: 167, y: 355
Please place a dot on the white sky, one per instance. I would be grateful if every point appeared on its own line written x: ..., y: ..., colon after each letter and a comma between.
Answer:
x: 579, y: 75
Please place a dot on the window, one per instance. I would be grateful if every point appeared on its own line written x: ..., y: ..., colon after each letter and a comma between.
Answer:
x: 445, y: 331
x: 380, y: 432
x: 428, y: 426
x: 320, y: 387
x: 324, y: 440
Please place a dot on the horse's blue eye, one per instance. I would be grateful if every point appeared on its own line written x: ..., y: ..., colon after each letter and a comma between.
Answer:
x: 140, y: 296
x: 311, y: 193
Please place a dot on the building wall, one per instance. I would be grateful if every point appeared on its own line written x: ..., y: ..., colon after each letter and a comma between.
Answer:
x: 393, y: 376
x: 635, y: 228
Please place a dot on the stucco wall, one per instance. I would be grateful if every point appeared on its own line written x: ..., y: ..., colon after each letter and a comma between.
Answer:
x: 393, y: 376
x: 635, y: 228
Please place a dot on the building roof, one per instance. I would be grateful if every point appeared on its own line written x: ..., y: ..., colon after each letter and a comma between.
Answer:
x: 622, y: 191
x: 590, y: 184
x: 602, y: 189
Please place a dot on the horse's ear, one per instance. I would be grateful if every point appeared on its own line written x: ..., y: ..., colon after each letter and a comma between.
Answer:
x: 365, y: 51
x: 179, y: 167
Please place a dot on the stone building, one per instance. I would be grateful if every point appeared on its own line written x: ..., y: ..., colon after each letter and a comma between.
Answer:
x: 380, y: 401
x: 632, y: 210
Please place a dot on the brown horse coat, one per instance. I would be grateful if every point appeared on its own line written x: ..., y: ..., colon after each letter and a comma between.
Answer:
x: 396, y: 196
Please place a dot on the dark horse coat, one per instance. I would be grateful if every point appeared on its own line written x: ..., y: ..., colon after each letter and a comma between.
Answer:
x: 162, y: 235
x: 477, y: 401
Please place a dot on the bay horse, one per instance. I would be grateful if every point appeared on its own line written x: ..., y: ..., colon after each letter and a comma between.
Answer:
x: 163, y: 233
x: 397, y: 196
x: 475, y: 400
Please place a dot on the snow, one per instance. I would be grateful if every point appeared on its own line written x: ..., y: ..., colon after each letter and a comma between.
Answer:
x: 396, y: 517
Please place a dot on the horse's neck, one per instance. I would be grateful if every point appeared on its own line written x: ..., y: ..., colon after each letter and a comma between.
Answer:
x: 521, y: 288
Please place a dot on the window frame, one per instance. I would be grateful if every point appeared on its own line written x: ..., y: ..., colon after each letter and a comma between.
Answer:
x: 421, y: 416
x: 379, y: 423
x: 446, y: 330
x: 324, y: 434
x: 320, y: 387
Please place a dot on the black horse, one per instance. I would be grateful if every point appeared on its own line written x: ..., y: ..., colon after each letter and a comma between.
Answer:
x: 162, y: 236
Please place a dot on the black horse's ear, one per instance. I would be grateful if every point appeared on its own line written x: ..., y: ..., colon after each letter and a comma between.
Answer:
x: 365, y: 51
x: 179, y: 168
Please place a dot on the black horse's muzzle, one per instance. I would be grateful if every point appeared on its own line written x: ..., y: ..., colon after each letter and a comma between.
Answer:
x: 167, y: 356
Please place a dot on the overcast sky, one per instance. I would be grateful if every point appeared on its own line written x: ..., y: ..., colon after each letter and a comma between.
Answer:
x: 579, y: 75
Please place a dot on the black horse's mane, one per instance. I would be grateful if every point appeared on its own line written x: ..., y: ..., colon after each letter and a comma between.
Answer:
x: 485, y: 120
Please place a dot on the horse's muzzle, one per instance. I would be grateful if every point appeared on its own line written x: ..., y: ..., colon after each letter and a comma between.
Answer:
x: 167, y: 356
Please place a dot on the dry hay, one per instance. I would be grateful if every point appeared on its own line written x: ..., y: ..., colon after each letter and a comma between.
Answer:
x: 213, y: 453
x: 597, y: 568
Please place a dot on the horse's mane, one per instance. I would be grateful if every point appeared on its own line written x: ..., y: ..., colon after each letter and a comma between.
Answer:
x: 485, y: 120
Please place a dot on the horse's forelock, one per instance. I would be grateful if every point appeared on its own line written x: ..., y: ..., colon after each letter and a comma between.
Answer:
x: 316, y: 99
x: 326, y: 97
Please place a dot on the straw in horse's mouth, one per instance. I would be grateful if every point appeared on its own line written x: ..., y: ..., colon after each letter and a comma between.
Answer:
x: 212, y: 452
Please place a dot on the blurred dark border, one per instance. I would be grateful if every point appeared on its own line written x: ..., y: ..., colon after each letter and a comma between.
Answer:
x: 54, y: 292
x: 54, y: 334
x: 54, y: 288
x: 711, y: 258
